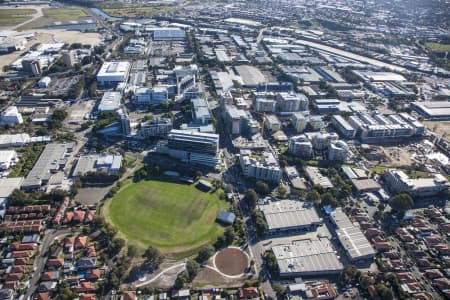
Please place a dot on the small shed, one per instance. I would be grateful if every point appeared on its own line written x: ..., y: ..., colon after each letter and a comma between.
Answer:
x: 204, y: 185
x: 225, y: 217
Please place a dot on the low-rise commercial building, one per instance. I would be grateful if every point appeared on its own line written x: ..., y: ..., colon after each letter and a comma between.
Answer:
x: 14, y: 140
x: 307, y: 258
x: 294, y: 178
x: 312, y: 290
x: 8, y: 158
x: 7, y: 186
x: 151, y: 96
x: 343, y: 127
x: 11, y: 116
x: 112, y: 73
x: 326, y: 106
x: 168, y: 34
x: 317, y: 178
x: 200, y: 111
x: 399, y: 181
x: 434, y: 110
x: 51, y: 160
x: 289, y: 216
x: 351, y: 238
x: 157, y: 127
x: 110, y: 102
x: 109, y: 164
x: 378, y: 128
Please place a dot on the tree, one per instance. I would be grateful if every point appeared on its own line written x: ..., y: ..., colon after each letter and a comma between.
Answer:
x: 76, y: 186
x: 328, y: 199
x: 86, y: 60
x: 350, y: 273
x: 271, y: 263
x: 262, y: 188
x: 259, y: 222
x: 93, y: 89
x: 18, y: 198
x: 221, y: 242
x: 192, y: 268
x: 57, y: 195
x: 75, y: 46
x: 251, y: 198
x: 115, y: 246
x: 182, y: 278
x: 65, y: 293
x: 384, y: 292
x: 198, y: 174
x: 205, y: 253
x: 282, y: 191
x: 279, y: 290
x: 57, y: 117
x: 365, y: 281
x: 401, y: 202
x: 153, y: 256
x: 314, y: 196
x: 229, y: 235
x: 132, y: 251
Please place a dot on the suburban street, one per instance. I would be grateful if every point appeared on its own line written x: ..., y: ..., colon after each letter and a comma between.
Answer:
x: 41, y: 258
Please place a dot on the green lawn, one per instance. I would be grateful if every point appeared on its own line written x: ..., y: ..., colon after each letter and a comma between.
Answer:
x: 65, y: 13
x: 132, y: 10
x: 135, y: 12
x: 378, y: 169
x: 176, y: 218
x: 16, y: 12
x: 4, y: 21
x: 418, y: 174
x: 15, y: 16
x: 436, y: 47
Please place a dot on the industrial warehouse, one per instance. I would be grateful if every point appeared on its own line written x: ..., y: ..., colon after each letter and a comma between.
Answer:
x: 307, y: 258
x: 290, y: 216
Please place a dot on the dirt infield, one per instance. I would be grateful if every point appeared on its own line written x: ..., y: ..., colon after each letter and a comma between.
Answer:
x: 231, y: 261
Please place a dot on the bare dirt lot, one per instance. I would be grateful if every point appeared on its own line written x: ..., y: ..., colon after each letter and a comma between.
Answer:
x: 208, y: 278
x: 78, y: 111
x: 91, y: 196
x: 389, y: 156
x: 440, y: 127
x: 231, y: 261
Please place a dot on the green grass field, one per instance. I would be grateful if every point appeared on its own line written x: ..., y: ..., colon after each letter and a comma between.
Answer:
x: 16, y: 12
x: 57, y: 15
x: 436, y: 47
x: 176, y: 218
x: 132, y: 10
x: 64, y: 13
x: 5, y: 21
x: 15, y: 16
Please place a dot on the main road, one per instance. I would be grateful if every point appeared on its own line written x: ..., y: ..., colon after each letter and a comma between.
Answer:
x: 351, y: 55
